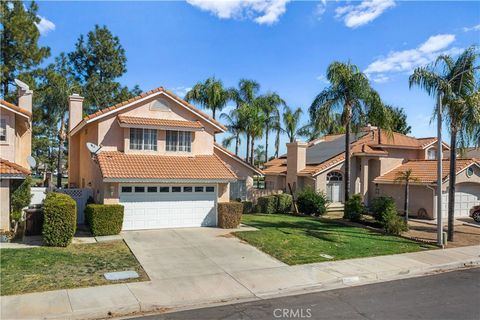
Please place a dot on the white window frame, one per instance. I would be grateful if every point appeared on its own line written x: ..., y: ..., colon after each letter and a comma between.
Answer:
x: 432, y: 151
x: 3, y: 130
x: 149, y: 139
x: 178, y: 141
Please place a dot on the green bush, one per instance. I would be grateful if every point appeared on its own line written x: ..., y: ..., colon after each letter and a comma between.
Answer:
x: 229, y: 214
x: 104, y: 219
x: 284, y: 202
x: 311, y: 202
x: 393, y: 223
x: 267, y: 204
x: 21, y: 198
x: 354, y: 208
x: 381, y: 206
x: 60, y: 219
x: 247, y: 207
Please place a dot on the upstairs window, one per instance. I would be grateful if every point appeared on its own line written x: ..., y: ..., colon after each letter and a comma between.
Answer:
x: 3, y: 130
x: 179, y: 141
x: 432, y: 154
x: 143, y: 139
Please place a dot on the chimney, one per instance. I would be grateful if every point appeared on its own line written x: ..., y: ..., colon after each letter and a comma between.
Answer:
x: 25, y: 95
x: 75, y: 110
x: 296, y: 161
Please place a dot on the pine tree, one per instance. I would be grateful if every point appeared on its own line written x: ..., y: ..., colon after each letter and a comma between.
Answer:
x: 19, y: 35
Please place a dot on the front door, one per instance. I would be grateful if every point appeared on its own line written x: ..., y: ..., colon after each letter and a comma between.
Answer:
x: 333, y: 191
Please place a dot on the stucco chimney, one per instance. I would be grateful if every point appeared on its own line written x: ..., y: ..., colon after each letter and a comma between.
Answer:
x: 75, y: 109
x: 25, y: 96
x: 296, y: 161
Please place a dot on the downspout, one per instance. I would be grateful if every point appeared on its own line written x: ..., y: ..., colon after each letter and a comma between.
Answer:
x: 434, y: 201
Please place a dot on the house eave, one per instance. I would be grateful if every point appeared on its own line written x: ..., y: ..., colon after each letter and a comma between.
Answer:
x: 162, y: 180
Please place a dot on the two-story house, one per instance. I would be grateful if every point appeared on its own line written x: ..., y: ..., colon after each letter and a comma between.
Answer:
x: 157, y: 158
x: 377, y: 158
x: 15, y: 148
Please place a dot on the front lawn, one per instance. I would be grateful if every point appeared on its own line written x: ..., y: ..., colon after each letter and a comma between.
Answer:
x: 78, y: 265
x: 298, y: 240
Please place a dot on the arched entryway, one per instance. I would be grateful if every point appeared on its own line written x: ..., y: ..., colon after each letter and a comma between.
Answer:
x: 334, y: 186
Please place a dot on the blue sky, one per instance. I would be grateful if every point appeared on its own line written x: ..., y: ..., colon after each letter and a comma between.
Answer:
x: 285, y: 46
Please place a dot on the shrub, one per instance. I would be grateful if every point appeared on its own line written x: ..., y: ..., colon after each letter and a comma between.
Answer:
x: 284, y: 202
x: 267, y: 204
x: 60, y: 219
x: 311, y: 202
x: 393, y: 223
x: 21, y: 198
x: 104, y: 219
x: 354, y: 208
x: 381, y: 206
x: 229, y: 214
x: 247, y: 206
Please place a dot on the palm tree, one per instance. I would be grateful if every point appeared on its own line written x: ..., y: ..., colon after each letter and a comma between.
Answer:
x: 244, y: 96
x: 234, y: 126
x: 209, y: 94
x: 269, y: 104
x: 455, y: 81
x: 291, y: 122
x: 351, y: 94
x: 406, y: 176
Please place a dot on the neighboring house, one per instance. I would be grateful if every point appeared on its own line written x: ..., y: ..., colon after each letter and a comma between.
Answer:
x: 157, y: 158
x: 467, y: 153
x: 15, y: 148
x: 375, y: 156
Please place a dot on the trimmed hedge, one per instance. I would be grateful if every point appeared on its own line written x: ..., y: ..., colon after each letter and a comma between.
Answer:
x: 229, y: 214
x: 104, y: 219
x: 60, y: 219
x: 393, y: 223
x: 311, y: 202
x: 354, y: 208
x: 284, y: 202
x: 381, y: 206
x: 247, y: 207
x: 267, y: 204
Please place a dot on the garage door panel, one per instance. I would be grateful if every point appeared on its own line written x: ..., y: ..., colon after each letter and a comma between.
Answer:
x: 168, y: 210
x: 467, y: 195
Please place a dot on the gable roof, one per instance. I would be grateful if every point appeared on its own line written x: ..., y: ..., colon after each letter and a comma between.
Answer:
x: 140, y: 121
x: 144, y: 96
x: 118, y: 166
x: 237, y: 158
x: 15, y: 109
x: 12, y: 170
x: 425, y: 170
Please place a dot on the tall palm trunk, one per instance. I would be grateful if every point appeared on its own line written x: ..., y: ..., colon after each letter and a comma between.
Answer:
x: 347, y: 153
x: 277, y: 143
x: 407, y: 187
x: 237, y: 142
x: 267, y: 129
x: 451, y: 182
x: 247, y: 157
x: 61, y: 141
x: 252, y: 156
x: 213, y: 116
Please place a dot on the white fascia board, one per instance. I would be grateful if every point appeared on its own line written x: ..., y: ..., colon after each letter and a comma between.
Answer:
x: 333, y: 165
x: 153, y: 180
x: 239, y: 160
x: 16, y: 112
x: 139, y: 126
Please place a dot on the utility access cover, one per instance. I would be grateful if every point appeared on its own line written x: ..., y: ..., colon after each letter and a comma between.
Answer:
x: 121, y: 275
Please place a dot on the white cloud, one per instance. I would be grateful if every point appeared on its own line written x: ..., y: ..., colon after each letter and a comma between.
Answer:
x: 45, y: 25
x: 358, y: 15
x: 320, y: 9
x: 181, y: 91
x: 474, y: 28
x: 261, y: 11
x: 322, y: 78
x: 407, y: 60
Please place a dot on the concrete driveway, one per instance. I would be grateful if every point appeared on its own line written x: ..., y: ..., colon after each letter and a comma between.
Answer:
x: 174, y: 253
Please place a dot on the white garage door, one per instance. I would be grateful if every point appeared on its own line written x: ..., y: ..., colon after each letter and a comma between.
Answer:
x: 167, y: 206
x: 467, y: 195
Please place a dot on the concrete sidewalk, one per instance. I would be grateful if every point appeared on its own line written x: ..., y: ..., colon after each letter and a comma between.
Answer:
x: 231, y: 287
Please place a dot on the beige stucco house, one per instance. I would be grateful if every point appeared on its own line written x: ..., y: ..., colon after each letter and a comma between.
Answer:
x: 376, y: 158
x: 15, y: 148
x: 157, y: 158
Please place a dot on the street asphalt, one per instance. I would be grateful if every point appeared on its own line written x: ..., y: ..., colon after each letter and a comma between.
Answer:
x: 451, y: 295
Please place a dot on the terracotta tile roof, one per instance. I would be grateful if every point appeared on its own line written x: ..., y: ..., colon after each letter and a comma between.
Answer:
x: 424, y: 170
x: 16, y: 108
x: 118, y: 165
x: 233, y: 155
x: 315, y: 169
x: 276, y: 166
x: 159, y: 122
x: 144, y: 95
x: 11, y: 168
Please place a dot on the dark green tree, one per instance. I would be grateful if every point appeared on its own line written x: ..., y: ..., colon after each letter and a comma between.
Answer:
x: 396, y: 116
x: 97, y: 62
x: 19, y: 35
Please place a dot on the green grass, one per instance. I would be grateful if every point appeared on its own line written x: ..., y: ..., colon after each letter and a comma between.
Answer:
x: 78, y: 265
x: 298, y: 240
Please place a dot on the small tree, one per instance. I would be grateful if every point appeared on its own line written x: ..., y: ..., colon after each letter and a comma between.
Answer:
x: 406, y: 176
x: 21, y: 199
